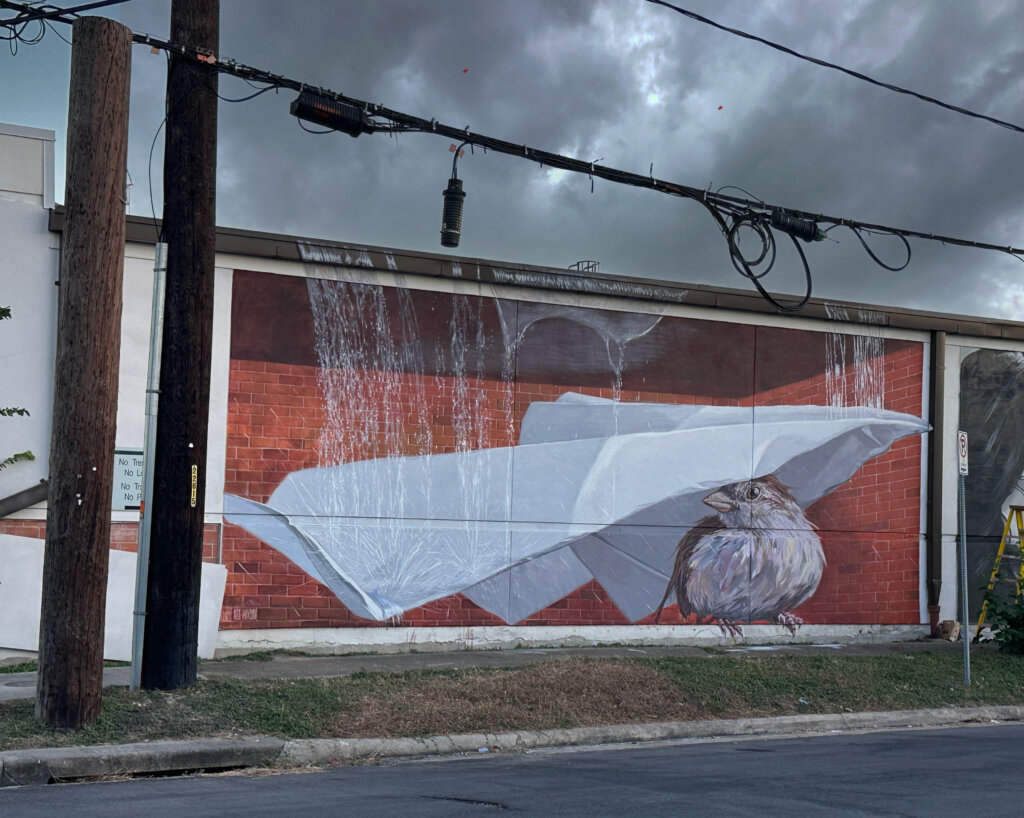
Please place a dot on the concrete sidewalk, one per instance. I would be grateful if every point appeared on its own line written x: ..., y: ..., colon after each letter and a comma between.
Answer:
x: 296, y: 667
x: 32, y: 767
x: 283, y: 666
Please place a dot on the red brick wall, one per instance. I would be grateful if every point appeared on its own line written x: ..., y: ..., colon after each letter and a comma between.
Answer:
x: 275, y: 414
x: 24, y: 528
x: 123, y: 536
x: 869, y: 526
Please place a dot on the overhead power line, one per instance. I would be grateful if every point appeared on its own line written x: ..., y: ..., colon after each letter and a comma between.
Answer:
x: 43, y: 14
x: 732, y: 214
x: 28, y: 12
x: 834, y: 67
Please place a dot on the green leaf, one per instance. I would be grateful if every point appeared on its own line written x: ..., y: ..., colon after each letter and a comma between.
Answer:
x: 16, y: 458
x: 11, y: 411
x: 1006, y: 618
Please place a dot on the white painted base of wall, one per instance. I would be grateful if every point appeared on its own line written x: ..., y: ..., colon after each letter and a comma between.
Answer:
x: 15, y: 657
x: 403, y: 640
x: 21, y: 590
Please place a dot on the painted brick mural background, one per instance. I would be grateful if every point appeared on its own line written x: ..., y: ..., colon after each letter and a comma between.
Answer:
x: 124, y: 536
x: 278, y: 414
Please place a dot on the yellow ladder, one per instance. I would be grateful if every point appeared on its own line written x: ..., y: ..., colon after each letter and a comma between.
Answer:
x: 1015, y: 519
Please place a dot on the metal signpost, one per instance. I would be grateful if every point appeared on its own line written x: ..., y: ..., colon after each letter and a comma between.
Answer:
x: 961, y: 448
x: 146, y: 518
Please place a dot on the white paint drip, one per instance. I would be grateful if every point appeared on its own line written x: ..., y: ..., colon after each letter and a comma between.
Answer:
x: 378, y: 406
x: 861, y: 385
x: 530, y: 278
x: 320, y: 254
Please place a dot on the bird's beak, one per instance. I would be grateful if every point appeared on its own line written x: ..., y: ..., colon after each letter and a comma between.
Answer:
x: 719, y: 501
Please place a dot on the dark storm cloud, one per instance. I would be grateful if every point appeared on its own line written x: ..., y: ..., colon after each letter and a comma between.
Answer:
x: 635, y: 84
x: 873, y: 155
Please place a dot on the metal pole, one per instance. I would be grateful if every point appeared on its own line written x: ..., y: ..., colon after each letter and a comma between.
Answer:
x: 190, y: 177
x: 965, y: 627
x: 936, y: 459
x: 156, y: 327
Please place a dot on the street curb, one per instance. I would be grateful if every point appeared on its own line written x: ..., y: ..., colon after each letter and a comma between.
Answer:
x: 33, y: 767
x: 306, y: 752
x: 46, y: 766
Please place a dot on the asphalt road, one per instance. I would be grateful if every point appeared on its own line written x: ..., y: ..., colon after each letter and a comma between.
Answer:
x: 955, y: 771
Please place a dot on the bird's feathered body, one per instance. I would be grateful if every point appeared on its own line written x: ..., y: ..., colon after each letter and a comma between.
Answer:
x: 758, y: 557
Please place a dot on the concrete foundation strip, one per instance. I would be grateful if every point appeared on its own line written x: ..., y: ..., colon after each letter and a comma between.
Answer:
x: 324, y: 751
x: 33, y: 767
x: 29, y: 767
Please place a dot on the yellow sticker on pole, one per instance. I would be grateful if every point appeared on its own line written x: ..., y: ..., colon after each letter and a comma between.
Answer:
x: 195, y: 484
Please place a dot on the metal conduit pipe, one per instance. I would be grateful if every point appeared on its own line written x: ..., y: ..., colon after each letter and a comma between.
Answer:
x: 24, y: 499
x: 936, y: 417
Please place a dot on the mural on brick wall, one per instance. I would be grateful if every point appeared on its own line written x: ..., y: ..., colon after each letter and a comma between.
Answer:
x: 425, y: 458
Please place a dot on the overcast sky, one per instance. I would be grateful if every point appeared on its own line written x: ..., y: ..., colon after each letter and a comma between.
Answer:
x: 629, y: 83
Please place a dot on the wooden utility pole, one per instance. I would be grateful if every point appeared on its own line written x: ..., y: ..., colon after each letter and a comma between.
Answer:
x: 75, y: 563
x: 169, y: 659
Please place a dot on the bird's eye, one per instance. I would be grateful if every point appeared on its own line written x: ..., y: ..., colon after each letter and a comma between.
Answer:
x: 753, y: 492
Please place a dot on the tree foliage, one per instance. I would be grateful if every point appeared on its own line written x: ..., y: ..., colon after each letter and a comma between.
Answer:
x: 1006, y: 617
x: 13, y: 411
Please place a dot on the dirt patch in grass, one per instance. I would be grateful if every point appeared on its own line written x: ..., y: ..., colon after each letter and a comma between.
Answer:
x: 570, y: 693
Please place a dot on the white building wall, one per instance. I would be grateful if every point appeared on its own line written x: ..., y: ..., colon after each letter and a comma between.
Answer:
x: 131, y: 393
x: 28, y: 271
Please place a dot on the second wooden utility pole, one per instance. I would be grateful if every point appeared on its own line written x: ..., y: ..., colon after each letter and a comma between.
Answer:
x: 169, y: 659
x: 70, y: 679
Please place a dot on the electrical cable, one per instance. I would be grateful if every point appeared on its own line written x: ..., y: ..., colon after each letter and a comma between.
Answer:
x: 43, y: 13
x: 159, y: 227
x: 737, y: 187
x: 455, y: 158
x: 727, y: 211
x: 767, y: 246
x: 18, y: 36
x: 857, y: 232
x: 53, y: 28
x: 834, y: 67
x: 250, y: 96
x: 310, y: 130
x: 27, y: 11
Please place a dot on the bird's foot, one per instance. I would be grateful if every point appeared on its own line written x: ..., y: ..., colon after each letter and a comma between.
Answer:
x: 730, y: 628
x: 790, y: 622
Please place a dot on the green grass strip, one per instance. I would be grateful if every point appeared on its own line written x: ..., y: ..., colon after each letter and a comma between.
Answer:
x: 572, y: 692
